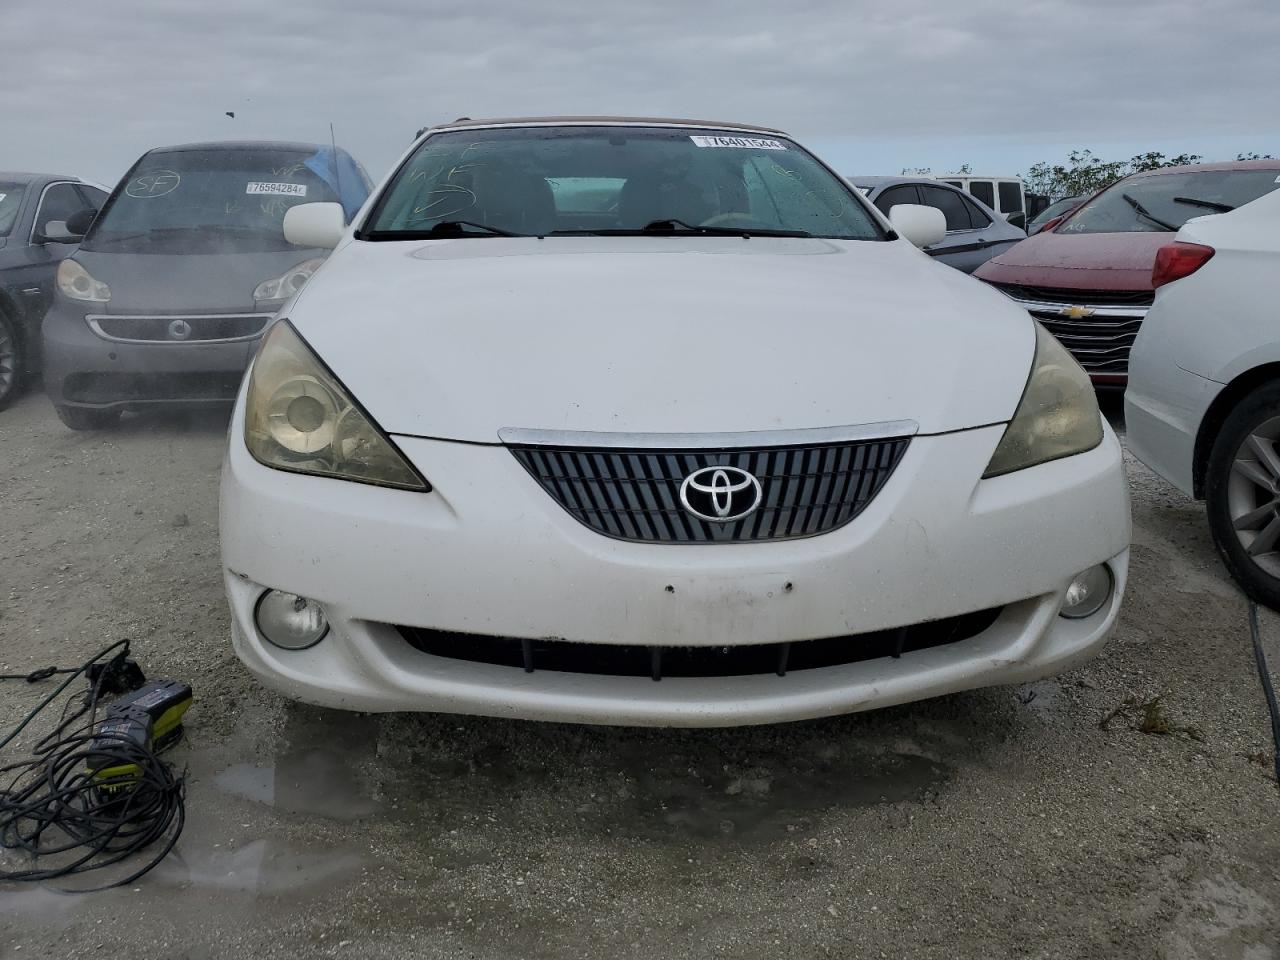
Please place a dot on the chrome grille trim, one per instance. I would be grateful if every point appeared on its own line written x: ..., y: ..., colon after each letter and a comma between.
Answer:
x: 588, y: 439
x: 253, y: 329
x: 1100, y: 342
x: 634, y: 494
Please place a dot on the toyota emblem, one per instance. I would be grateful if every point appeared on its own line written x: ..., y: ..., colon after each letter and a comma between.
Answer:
x: 720, y: 494
x: 179, y: 329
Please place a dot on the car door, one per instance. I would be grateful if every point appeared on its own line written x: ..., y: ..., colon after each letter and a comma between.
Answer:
x: 966, y: 243
x: 34, y: 277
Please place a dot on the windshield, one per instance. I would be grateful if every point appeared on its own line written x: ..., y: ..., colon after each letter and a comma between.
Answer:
x: 207, y: 201
x: 1163, y: 203
x: 615, y: 180
x: 10, y: 202
x: 1055, y: 209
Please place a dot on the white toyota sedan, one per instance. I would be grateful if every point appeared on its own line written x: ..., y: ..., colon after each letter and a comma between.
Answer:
x: 656, y: 422
x: 1203, y: 404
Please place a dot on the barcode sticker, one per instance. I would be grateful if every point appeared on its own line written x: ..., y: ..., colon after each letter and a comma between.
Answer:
x: 282, y: 189
x: 742, y: 143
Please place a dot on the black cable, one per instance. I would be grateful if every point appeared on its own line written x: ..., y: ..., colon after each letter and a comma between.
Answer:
x: 1268, y: 689
x: 68, y: 808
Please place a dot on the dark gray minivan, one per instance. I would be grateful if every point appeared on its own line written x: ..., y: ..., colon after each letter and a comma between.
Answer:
x: 181, y: 272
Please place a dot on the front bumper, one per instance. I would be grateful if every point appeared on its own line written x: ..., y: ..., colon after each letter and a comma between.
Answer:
x: 489, y: 552
x: 84, y: 369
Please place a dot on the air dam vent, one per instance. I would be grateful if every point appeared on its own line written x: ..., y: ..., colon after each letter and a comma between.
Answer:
x: 623, y: 660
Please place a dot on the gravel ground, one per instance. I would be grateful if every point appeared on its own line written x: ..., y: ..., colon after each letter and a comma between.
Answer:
x: 1004, y: 823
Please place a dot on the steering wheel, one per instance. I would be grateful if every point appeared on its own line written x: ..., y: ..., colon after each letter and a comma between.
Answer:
x: 732, y: 219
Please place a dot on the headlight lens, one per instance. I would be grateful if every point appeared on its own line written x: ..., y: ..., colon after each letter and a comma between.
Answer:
x: 285, y: 286
x: 1057, y: 417
x: 290, y: 621
x: 299, y: 417
x: 75, y: 282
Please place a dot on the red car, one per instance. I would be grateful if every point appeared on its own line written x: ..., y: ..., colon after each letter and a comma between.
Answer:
x: 1088, y: 277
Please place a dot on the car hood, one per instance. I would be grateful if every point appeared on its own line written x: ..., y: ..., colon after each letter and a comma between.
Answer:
x: 457, y: 339
x: 188, y: 282
x: 1091, y: 261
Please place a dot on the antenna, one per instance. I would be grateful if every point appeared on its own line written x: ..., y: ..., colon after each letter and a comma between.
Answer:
x: 337, y: 171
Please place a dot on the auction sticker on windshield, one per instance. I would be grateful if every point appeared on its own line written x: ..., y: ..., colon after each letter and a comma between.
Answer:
x: 748, y: 143
x: 283, y: 189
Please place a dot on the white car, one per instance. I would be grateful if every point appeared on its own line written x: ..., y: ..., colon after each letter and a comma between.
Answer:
x: 1203, y: 404
x: 656, y: 422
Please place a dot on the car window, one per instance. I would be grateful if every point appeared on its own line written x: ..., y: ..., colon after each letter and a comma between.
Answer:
x: 60, y: 202
x: 977, y: 217
x: 1055, y: 209
x: 92, y: 196
x: 906, y: 193
x: 10, y: 203
x: 1169, y: 200
x: 984, y: 191
x: 580, y: 179
x: 206, y: 200
x: 950, y: 203
x: 1010, y: 197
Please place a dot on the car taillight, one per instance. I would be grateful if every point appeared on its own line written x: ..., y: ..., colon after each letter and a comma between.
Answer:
x: 1177, y: 260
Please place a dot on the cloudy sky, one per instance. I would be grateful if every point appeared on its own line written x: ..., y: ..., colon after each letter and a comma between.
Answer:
x: 874, y: 86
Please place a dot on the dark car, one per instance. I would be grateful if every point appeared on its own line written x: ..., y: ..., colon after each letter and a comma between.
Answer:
x: 975, y: 232
x: 1088, y: 277
x: 34, y: 208
x: 182, y: 271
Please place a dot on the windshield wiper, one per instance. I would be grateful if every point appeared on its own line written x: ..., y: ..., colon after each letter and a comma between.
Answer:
x: 1144, y: 212
x: 443, y: 229
x: 1207, y: 204
x: 670, y: 225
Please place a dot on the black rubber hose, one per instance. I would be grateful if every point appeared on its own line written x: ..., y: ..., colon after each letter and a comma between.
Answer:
x: 1264, y: 674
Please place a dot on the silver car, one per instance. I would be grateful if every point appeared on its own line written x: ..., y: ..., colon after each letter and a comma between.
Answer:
x: 975, y: 232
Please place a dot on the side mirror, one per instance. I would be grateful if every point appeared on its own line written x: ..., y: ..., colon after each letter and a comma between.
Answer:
x: 315, y: 225
x: 1047, y: 225
x: 1018, y: 219
x: 80, y: 221
x: 923, y: 226
x: 55, y: 231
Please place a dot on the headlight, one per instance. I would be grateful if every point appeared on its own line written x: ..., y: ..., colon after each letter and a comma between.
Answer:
x: 299, y: 417
x: 76, y: 282
x: 285, y: 286
x: 1057, y: 417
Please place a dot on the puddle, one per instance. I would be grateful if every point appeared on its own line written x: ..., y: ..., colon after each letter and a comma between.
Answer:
x: 316, y: 771
x: 259, y: 867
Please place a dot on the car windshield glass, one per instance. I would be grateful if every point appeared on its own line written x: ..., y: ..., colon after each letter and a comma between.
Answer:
x: 1055, y: 209
x: 611, y: 180
x: 10, y: 201
x: 1111, y: 212
x: 192, y: 201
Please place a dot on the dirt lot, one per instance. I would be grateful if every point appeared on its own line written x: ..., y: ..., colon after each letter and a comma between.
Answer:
x: 1003, y: 823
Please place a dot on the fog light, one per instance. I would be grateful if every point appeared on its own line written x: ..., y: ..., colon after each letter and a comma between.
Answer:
x: 1088, y: 593
x: 290, y: 621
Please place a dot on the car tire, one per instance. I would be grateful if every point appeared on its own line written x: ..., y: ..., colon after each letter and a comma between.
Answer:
x: 11, y: 361
x: 1242, y: 494
x: 87, y: 418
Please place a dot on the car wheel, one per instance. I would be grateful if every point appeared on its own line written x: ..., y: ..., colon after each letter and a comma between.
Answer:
x: 10, y: 362
x: 1242, y: 493
x: 87, y: 418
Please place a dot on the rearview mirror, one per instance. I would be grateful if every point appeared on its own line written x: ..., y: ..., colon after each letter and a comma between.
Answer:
x: 923, y: 226
x: 55, y: 231
x: 315, y: 225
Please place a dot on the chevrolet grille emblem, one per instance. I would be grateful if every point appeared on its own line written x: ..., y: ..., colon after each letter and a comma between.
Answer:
x: 1076, y: 312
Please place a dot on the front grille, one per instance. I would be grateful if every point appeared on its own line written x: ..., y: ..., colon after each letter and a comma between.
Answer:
x: 1101, y: 341
x: 181, y: 329
x: 635, y: 494
x: 1101, y: 346
x: 1068, y: 295
x: 626, y: 660
x: 149, y: 387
